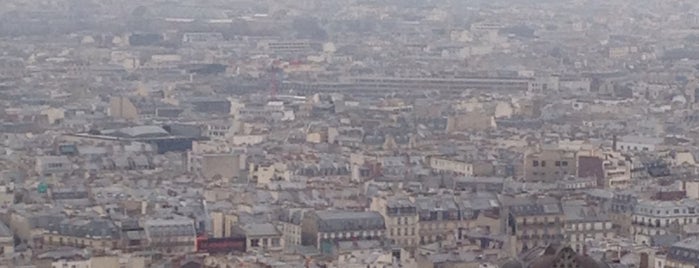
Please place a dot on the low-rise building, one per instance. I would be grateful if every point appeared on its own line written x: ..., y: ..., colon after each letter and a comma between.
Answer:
x: 79, y: 233
x: 264, y: 236
x: 322, y: 229
x: 171, y: 235
x: 446, y: 164
x: 53, y: 165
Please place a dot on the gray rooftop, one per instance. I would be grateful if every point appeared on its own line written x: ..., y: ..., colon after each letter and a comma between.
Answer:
x: 333, y: 221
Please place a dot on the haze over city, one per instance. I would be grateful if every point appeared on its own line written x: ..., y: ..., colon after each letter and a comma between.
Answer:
x: 349, y: 133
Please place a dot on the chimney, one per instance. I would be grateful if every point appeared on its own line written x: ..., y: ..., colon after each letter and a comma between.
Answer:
x: 614, y: 142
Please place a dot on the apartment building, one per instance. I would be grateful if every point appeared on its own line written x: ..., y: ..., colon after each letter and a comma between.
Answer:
x: 290, y: 220
x: 171, y: 235
x: 617, y: 171
x: 683, y: 254
x: 94, y: 234
x: 400, y: 215
x: 439, y: 217
x: 323, y: 229
x: 585, y: 221
x: 450, y: 165
x: 532, y: 222
x: 653, y: 217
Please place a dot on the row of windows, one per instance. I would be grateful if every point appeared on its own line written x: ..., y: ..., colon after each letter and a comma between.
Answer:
x: 402, y: 220
x: 542, y: 163
x: 635, y: 148
x: 264, y: 242
x: 55, y: 165
x: 402, y: 231
x: 658, y: 222
x: 690, y: 210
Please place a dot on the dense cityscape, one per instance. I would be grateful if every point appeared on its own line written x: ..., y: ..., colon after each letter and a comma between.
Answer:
x: 349, y: 133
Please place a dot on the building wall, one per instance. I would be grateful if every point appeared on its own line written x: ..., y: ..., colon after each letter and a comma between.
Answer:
x: 403, y: 230
x: 49, y: 165
x: 224, y: 165
x: 105, y: 262
x: 472, y: 121
x: 123, y: 108
x: 483, y: 169
x: 441, y: 164
x: 550, y: 165
x: 72, y: 264
x: 692, y: 189
x: 79, y: 242
x: 636, y: 146
x: 578, y: 232
x: 651, y: 218
x: 538, y: 230
x: 222, y: 224
x: 433, y: 231
x: 291, y: 234
x: 273, y: 243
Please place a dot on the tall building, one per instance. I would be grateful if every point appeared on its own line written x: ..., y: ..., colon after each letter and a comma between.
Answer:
x: 533, y: 222
x: 400, y: 215
x: 439, y: 217
x: 585, y: 221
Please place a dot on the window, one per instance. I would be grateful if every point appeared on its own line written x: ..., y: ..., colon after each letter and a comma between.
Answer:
x: 535, y: 163
x: 543, y: 163
x: 564, y: 163
x: 558, y: 163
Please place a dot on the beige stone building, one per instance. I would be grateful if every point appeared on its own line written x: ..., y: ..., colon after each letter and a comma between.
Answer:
x: 400, y: 215
x: 550, y: 165
x: 439, y: 217
x: 470, y: 121
x: 123, y: 108
x: 532, y: 222
x: 452, y: 165
x: 222, y: 224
